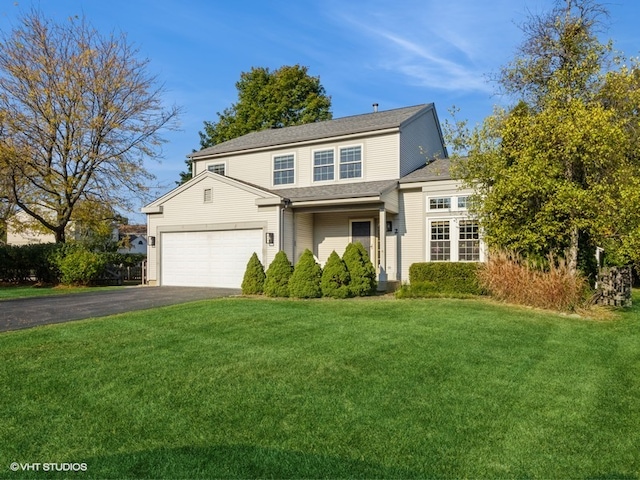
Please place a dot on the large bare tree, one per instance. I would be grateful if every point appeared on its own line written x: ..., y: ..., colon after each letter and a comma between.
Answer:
x: 79, y: 114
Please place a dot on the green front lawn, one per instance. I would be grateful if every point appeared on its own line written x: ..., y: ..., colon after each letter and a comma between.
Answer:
x: 23, y: 291
x: 371, y: 388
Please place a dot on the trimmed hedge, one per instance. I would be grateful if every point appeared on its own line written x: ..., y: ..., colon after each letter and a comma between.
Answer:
x: 23, y: 263
x: 276, y: 283
x: 254, y: 276
x: 306, y: 277
x: 446, y: 277
x: 335, y: 278
x: 361, y: 270
x: 41, y: 263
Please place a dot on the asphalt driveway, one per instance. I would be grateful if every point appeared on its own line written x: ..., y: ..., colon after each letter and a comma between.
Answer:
x: 30, y: 312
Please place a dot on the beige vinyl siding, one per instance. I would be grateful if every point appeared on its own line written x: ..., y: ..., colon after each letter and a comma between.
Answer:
x: 379, y: 154
x: 380, y: 157
x: 232, y: 208
x: 330, y: 232
x: 420, y: 140
x: 411, y: 228
x: 304, y: 233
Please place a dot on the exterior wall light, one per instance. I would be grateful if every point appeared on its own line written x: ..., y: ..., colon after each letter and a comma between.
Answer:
x: 270, y: 238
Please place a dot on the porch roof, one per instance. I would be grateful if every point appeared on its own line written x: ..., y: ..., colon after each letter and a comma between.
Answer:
x: 435, y: 170
x: 342, y: 191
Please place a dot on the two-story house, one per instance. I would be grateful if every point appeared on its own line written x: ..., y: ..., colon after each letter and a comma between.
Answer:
x: 380, y: 178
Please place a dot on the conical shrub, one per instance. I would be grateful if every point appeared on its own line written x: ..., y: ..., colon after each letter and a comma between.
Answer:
x: 361, y: 270
x: 335, y: 278
x: 276, y: 283
x: 254, y: 276
x: 306, y: 277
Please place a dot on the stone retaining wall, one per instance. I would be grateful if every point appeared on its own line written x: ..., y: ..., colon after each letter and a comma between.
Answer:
x: 614, y: 286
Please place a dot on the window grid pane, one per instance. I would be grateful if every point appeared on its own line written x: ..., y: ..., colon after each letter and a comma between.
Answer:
x: 439, y: 203
x: 217, y: 168
x: 440, y: 244
x: 351, y: 162
x: 323, y: 165
x: 283, y: 170
x: 469, y: 241
x: 463, y: 202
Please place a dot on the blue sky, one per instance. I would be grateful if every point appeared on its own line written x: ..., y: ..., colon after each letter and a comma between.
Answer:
x: 392, y: 52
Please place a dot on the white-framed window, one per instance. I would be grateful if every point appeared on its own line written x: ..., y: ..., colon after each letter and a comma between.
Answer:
x: 208, y: 195
x: 468, y: 241
x: 440, y: 203
x: 463, y: 203
x: 283, y: 169
x: 219, y: 168
x: 453, y: 240
x: 351, y: 162
x: 323, y: 165
x: 440, y: 241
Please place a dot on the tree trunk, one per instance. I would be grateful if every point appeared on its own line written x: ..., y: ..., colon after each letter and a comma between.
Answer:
x: 572, y: 253
x: 60, y: 235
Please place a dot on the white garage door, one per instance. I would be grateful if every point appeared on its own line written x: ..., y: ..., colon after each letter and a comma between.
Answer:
x: 208, y: 259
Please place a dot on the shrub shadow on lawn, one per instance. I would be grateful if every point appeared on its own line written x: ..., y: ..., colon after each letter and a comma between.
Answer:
x: 236, y: 461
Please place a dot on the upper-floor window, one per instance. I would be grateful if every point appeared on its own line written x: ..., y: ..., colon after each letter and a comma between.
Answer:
x: 463, y: 203
x: 323, y: 165
x: 351, y: 162
x: 439, y: 203
x: 283, y: 169
x: 218, y: 168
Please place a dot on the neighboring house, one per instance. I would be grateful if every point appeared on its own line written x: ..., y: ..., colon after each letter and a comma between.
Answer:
x: 381, y: 179
x: 133, y: 238
x: 22, y: 229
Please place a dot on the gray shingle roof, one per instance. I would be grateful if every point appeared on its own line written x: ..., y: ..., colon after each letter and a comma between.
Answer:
x: 435, y: 170
x: 337, y: 191
x: 314, y: 131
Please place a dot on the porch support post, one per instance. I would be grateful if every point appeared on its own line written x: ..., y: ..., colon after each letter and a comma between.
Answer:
x: 382, y: 263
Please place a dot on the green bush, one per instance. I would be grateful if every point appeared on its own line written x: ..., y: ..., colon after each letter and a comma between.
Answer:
x: 306, y: 277
x: 253, y: 281
x: 446, y: 277
x: 79, y: 266
x: 22, y: 263
x: 361, y: 270
x: 335, y: 278
x: 276, y: 283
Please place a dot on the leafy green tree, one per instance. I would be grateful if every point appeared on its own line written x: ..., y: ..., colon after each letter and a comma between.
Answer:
x: 551, y: 172
x: 306, y: 277
x: 361, y: 270
x: 276, y: 283
x: 254, y: 276
x: 79, y: 114
x: 335, y: 278
x: 270, y: 99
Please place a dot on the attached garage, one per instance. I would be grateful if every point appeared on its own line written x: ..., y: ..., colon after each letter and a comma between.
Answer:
x: 215, y: 258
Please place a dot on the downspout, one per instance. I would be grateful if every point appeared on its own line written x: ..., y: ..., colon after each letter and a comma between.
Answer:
x: 285, y: 205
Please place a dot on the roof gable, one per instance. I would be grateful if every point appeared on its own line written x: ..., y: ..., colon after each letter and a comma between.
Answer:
x: 369, y: 122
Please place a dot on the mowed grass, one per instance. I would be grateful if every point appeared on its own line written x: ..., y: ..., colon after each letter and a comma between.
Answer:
x: 24, y: 291
x: 375, y: 388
